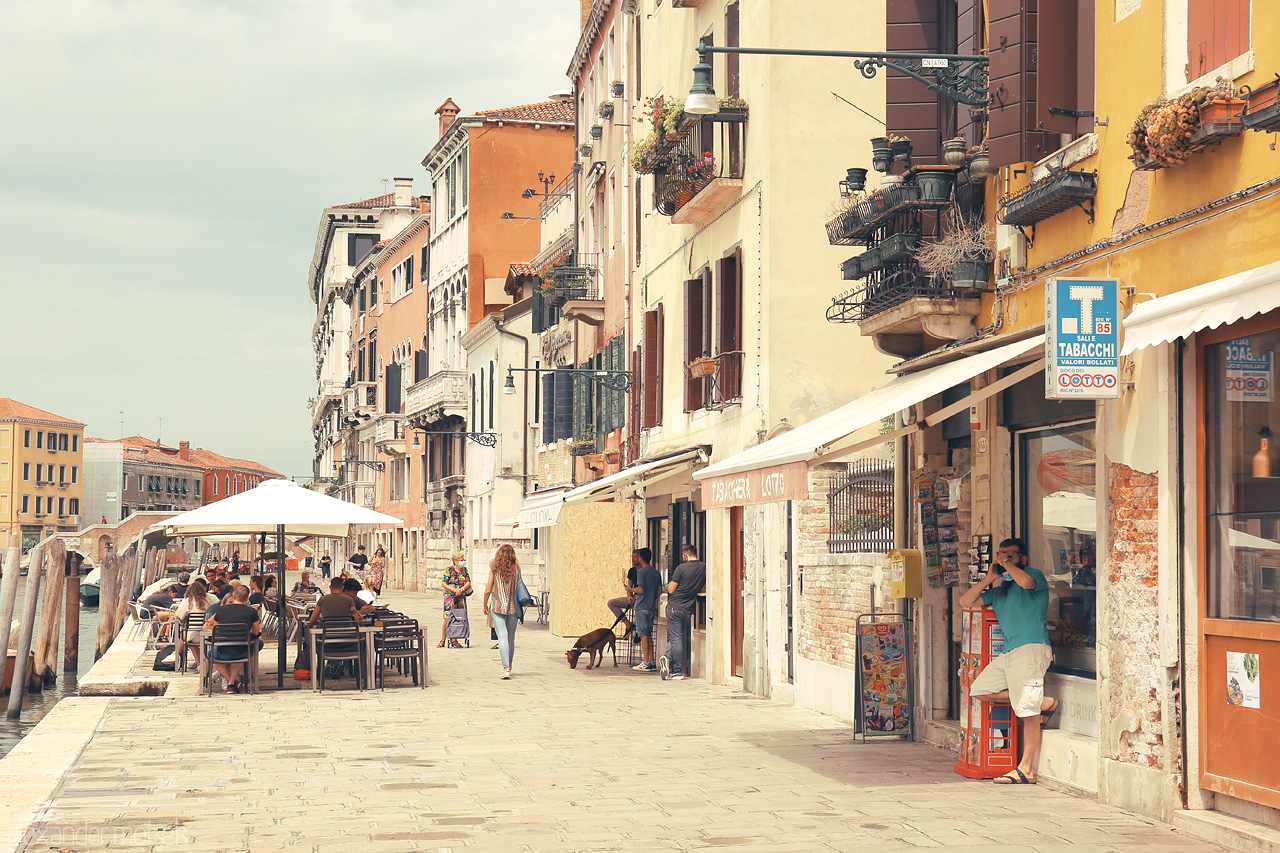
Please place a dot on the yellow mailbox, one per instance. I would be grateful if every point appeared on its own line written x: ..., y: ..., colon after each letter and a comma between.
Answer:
x: 906, y: 573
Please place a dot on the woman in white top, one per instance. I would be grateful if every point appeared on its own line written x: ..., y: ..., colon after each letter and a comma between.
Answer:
x: 500, y: 602
x: 196, y: 600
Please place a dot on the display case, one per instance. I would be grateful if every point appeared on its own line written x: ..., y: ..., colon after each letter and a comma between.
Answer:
x: 988, y: 730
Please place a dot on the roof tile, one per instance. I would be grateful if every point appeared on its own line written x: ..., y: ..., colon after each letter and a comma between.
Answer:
x: 548, y: 111
x: 11, y: 409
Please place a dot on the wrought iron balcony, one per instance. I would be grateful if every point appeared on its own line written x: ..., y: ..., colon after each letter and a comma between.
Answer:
x: 440, y: 396
x: 1053, y: 195
x: 901, y: 308
x: 700, y: 171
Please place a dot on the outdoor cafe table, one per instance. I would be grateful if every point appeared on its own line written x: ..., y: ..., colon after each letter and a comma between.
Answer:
x: 368, y: 629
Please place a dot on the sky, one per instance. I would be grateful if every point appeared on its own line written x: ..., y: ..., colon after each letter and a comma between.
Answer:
x: 163, y: 168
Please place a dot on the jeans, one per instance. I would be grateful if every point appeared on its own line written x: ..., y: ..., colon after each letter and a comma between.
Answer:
x: 505, y: 627
x: 619, y: 606
x: 677, y: 625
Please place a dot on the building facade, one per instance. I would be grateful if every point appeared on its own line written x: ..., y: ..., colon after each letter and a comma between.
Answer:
x: 41, y: 461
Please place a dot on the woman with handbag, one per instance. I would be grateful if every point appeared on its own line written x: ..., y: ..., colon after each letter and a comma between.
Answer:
x: 503, y: 601
x: 457, y: 586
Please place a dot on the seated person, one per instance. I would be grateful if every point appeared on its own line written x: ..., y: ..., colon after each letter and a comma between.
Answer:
x: 305, y: 585
x: 335, y: 605
x: 238, y: 612
x: 159, y: 606
x: 365, y: 598
x: 256, y: 590
x: 184, y: 579
x: 270, y: 594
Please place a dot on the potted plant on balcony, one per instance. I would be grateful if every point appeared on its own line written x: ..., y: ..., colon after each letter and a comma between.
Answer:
x: 881, y: 154
x: 955, y: 151
x: 596, y: 131
x: 612, y: 455
x: 584, y: 151
x: 1262, y: 109
x: 901, y: 147
x: 616, y: 88
x: 732, y: 109
x: 605, y: 110
x: 702, y: 367
x: 583, y: 447
x: 964, y: 251
x: 855, y: 180
x: 979, y: 163
x: 935, y: 182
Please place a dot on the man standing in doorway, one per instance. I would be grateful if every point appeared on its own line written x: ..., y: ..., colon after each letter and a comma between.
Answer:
x: 326, y: 566
x: 689, y: 579
x: 646, y: 588
x: 1020, y: 596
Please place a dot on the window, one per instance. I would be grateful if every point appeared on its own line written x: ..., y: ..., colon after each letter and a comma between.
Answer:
x: 374, y: 284
x: 62, y: 474
x: 1241, y: 520
x: 728, y: 327
x: 124, y: 485
x: 26, y: 438
x: 39, y: 505
x: 26, y: 472
x: 75, y: 474
x: 462, y: 174
x: 73, y: 506
x: 4, y: 437
x: 651, y: 361
x: 493, y: 370
x: 39, y: 440
x: 226, y: 483
x: 26, y: 504
x: 4, y: 471
x: 360, y: 300
x: 140, y: 486
x: 1056, y: 516
x: 75, y: 444
x: 358, y: 245
x: 481, y: 428
x: 1217, y: 32
x: 697, y: 337
x: 197, y: 488
x: 51, y: 439
x: 62, y: 507
x: 62, y: 441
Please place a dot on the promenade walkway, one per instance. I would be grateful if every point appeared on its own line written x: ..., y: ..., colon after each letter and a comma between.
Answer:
x: 552, y: 760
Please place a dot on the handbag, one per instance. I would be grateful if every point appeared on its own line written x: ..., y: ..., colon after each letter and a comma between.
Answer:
x: 523, y: 598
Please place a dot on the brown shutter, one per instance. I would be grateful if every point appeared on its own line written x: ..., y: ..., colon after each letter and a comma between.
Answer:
x: 693, y: 345
x: 732, y: 86
x: 1217, y: 32
x: 1011, y: 138
x: 721, y: 304
x: 635, y: 407
x: 1057, y: 68
x: 651, y: 355
x: 911, y: 108
x: 970, y: 28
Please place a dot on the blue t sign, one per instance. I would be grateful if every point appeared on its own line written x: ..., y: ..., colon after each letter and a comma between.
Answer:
x: 1082, y: 345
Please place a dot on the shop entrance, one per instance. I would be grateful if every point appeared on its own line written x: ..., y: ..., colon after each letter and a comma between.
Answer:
x: 737, y: 567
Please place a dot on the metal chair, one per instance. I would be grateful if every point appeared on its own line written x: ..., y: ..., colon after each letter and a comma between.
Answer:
x: 140, y: 622
x: 339, y: 641
x: 232, y: 637
x: 400, y: 642
x: 194, y: 622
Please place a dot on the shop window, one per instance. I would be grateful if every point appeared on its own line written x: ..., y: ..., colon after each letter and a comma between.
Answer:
x: 1057, y: 517
x: 1242, y: 418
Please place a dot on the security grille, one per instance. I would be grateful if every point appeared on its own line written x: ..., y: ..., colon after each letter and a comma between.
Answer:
x: 861, y: 509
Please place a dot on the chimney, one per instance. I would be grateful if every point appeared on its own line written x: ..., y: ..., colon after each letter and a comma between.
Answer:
x: 404, y: 192
x: 184, y: 450
x: 585, y: 6
x: 447, y: 111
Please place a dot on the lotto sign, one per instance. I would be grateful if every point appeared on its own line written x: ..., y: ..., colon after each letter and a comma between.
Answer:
x: 1249, y: 377
x: 1082, y: 345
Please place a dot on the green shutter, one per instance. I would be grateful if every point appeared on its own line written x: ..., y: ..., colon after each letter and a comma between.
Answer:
x: 581, y: 425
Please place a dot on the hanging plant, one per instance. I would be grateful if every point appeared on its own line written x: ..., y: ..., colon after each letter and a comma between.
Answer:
x: 1162, y: 131
x: 967, y: 238
x: 605, y: 110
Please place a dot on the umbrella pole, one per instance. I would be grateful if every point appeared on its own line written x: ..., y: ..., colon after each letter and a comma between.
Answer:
x: 280, y: 606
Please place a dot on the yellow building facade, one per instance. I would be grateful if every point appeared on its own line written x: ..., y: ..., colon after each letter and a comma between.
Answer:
x: 40, y: 474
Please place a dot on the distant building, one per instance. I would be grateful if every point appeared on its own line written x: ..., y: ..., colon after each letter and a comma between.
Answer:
x: 40, y: 466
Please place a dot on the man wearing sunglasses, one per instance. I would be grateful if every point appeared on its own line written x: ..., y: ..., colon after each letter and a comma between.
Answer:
x: 1020, y: 596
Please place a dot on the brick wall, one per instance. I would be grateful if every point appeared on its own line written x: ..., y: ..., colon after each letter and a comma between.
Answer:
x: 837, y: 587
x: 1133, y: 673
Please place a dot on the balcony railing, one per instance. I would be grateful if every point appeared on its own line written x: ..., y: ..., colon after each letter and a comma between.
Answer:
x: 687, y: 185
x: 889, y: 287
x: 390, y: 429
x: 441, y: 395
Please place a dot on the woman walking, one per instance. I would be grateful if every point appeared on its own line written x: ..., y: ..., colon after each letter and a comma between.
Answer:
x: 457, y: 586
x: 500, y: 602
x: 377, y: 569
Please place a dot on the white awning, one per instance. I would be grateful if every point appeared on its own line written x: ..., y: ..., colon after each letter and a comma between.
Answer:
x: 1205, y: 306
x: 546, y: 512
x: 823, y: 437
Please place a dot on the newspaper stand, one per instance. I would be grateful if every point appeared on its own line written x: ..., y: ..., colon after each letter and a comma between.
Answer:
x: 988, y: 730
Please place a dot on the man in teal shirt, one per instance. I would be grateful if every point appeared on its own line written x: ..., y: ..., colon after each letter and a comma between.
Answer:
x: 1020, y: 596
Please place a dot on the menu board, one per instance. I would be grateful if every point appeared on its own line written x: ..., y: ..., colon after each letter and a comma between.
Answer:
x: 884, y: 675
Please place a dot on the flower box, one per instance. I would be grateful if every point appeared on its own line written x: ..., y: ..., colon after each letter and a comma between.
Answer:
x: 616, y: 88
x: 899, y: 245
x: 730, y: 114
x: 700, y: 368
x: 1262, y: 109
x: 582, y: 448
x: 1048, y: 197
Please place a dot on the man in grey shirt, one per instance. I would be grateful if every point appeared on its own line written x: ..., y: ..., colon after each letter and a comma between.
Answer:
x: 647, y: 587
x: 689, y: 579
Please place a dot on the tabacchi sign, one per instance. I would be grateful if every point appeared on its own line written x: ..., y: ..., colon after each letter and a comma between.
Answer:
x: 761, y: 486
x: 1082, y: 338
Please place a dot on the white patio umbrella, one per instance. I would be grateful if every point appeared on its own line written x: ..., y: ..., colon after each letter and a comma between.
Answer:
x: 281, y: 507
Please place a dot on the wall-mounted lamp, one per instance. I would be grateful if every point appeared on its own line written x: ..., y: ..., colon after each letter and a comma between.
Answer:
x: 513, y: 216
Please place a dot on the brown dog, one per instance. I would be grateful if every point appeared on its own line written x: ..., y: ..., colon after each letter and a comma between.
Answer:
x: 593, y: 642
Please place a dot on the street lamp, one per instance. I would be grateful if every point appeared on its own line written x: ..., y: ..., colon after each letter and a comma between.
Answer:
x: 513, y: 216
x: 614, y: 380
x: 960, y: 77
x: 485, y: 439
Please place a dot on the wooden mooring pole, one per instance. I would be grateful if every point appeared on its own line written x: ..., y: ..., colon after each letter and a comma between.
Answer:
x: 8, y: 598
x: 109, y: 583
x: 71, y: 639
x: 50, y: 622
x: 18, y: 686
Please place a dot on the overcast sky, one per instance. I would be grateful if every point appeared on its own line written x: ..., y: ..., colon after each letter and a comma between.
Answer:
x: 163, y: 166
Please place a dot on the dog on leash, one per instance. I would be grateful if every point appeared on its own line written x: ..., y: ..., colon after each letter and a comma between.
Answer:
x: 593, y: 643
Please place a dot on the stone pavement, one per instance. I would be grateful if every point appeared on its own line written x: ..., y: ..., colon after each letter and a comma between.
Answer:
x: 552, y: 760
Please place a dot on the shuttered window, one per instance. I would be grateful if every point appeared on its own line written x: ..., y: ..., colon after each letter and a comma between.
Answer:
x: 419, y: 366
x: 1012, y: 133
x: 695, y: 343
x: 548, y: 407
x: 563, y: 412
x: 393, y: 389
x: 911, y: 108
x: 635, y: 406
x: 652, y: 366
x: 728, y: 300
x: 1064, y: 68
x: 1217, y: 32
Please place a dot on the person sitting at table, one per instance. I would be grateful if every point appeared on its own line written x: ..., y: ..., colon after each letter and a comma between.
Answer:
x: 305, y: 585
x: 270, y: 595
x: 159, y: 606
x: 184, y: 579
x: 238, y: 612
x: 364, y: 599
x: 255, y: 590
x: 196, y: 600
x: 336, y: 605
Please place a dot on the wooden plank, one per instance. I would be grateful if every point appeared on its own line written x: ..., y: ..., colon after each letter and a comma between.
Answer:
x: 8, y: 599
x: 18, y: 688
x: 71, y: 637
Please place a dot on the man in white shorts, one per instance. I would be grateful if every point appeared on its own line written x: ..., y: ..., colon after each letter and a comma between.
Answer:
x: 1020, y: 596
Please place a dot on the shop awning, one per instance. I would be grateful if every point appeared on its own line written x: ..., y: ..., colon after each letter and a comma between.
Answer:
x: 538, y: 511
x: 778, y: 469
x: 546, y: 512
x: 1205, y: 306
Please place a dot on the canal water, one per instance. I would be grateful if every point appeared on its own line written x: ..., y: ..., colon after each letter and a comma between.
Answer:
x: 36, y: 705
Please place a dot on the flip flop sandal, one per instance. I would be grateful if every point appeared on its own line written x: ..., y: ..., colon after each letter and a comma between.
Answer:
x: 1046, y: 716
x: 1009, y: 780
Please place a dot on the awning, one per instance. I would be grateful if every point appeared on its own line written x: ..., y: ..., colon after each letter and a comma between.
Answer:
x: 1205, y: 306
x: 539, y: 511
x: 777, y: 469
x: 546, y: 512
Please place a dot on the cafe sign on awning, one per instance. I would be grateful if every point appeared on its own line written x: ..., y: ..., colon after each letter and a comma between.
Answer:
x: 1082, y: 338
x: 757, y: 486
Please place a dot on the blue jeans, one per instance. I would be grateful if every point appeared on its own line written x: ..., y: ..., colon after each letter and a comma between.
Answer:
x: 677, y: 624
x: 505, y: 627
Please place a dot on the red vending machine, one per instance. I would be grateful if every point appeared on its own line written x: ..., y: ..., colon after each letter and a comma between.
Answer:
x: 988, y: 730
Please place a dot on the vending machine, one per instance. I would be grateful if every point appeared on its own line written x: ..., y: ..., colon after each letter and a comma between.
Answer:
x: 988, y: 730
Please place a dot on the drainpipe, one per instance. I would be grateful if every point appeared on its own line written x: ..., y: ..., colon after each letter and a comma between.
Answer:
x: 524, y: 424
